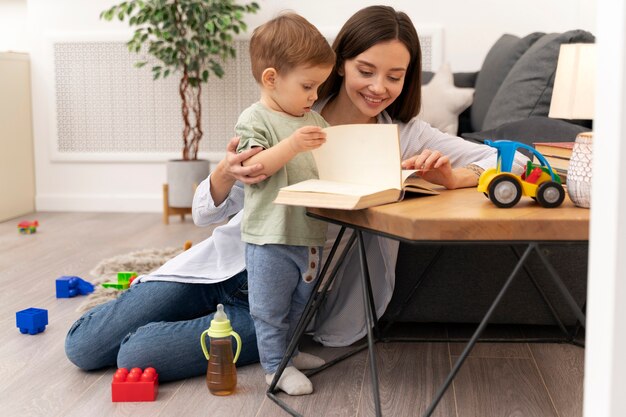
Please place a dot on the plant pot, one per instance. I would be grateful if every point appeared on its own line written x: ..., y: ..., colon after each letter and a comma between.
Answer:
x: 182, y: 179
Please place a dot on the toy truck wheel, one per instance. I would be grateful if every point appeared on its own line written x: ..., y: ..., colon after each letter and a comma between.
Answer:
x: 505, y: 192
x: 550, y: 194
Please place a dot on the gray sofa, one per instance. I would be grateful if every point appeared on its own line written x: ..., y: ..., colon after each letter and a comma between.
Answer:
x: 511, y: 101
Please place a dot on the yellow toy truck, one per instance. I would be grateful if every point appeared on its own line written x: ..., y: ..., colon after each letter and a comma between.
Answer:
x: 505, y: 189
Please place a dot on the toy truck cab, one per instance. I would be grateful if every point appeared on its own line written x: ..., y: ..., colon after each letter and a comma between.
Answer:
x: 505, y: 189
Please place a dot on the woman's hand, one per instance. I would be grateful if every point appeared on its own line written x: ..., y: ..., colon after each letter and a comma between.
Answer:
x: 230, y: 170
x: 232, y: 164
x: 433, y: 167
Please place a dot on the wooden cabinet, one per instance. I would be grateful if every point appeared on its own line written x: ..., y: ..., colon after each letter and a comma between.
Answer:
x: 17, y: 173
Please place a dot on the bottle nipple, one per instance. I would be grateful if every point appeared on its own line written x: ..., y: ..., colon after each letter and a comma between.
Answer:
x: 220, y: 315
x: 220, y: 325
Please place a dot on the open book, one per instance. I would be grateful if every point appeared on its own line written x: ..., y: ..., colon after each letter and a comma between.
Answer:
x: 359, y: 167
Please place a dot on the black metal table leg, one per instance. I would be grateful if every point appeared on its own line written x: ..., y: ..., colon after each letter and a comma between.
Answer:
x: 369, y: 308
x: 542, y: 293
x: 309, y: 311
x: 563, y: 289
x: 477, y: 333
x: 371, y: 319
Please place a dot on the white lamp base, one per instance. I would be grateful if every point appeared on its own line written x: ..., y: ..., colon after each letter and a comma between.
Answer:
x: 580, y: 170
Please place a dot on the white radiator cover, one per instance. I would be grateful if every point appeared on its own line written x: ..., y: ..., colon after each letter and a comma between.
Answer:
x: 105, y: 109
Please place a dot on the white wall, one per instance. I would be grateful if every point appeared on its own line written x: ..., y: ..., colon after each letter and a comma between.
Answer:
x: 470, y: 28
x: 605, y: 362
x: 13, y: 26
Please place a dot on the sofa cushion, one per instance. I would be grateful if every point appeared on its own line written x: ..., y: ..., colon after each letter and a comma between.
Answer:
x: 496, y: 66
x: 442, y: 102
x: 528, y: 131
x: 527, y: 89
x: 461, y: 79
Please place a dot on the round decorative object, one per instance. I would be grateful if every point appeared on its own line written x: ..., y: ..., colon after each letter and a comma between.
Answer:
x: 580, y: 170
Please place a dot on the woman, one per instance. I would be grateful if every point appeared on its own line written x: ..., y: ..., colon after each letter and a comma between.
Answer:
x: 158, y: 322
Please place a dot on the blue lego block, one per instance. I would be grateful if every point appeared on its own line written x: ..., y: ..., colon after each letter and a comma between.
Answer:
x: 71, y: 286
x: 85, y: 287
x: 67, y: 286
x: 32, y: 320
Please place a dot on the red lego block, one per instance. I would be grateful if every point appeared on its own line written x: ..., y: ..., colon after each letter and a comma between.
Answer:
x: 134, y: 385
x: 534, y: 175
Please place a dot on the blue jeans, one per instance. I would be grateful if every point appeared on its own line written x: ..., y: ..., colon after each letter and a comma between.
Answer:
x: 281, y: 280
x: 158, y: 324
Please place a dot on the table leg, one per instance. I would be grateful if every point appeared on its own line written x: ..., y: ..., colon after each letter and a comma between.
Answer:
x: 562, y: 288
x: 370, y: 322
x: 543, y: 295
x: 313, y: 304
x: 478, y: 332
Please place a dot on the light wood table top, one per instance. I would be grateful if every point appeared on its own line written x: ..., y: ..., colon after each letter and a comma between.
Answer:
x: 466, y: 215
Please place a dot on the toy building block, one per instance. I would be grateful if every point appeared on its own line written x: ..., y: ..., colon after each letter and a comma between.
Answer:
x: 71, y: 286
x: 134, y: 385
x: 534, y: 175
x: 32, y: 320
x: 26, y: 227
x: 124, y: 279
x: 115, y: 285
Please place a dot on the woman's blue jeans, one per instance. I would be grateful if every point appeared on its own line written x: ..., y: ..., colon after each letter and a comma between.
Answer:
x: 158, y: 324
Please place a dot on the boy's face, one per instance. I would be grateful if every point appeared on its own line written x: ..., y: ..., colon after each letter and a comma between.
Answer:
x: 295, y: 92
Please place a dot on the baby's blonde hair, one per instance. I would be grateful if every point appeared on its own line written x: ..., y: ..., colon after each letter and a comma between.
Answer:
x: 288, y: 41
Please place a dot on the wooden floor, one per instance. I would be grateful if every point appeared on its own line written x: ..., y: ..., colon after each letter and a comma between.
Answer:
x: 37, y: 380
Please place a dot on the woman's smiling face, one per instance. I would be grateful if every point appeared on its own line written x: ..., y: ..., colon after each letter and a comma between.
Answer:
x: 374, y: 78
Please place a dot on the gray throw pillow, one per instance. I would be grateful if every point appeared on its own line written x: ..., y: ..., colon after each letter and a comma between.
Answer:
x: 497, y: 64
x: 527, y: 89
x: 461, y: 79
x: 528, y: 131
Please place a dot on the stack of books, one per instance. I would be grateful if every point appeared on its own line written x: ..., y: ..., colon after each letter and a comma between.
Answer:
x: 557, y: 154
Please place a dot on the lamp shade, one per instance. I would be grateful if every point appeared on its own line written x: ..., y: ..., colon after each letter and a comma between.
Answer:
x: 573, y: 94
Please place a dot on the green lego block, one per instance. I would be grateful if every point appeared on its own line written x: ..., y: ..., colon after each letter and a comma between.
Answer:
x: 117, y: 286
x: 124, y: 277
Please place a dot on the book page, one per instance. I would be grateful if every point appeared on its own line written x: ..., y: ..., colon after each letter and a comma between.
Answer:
x: 361, y: 154
x: 406, y: 173
x: 333, y: 187
x: 414, y: 183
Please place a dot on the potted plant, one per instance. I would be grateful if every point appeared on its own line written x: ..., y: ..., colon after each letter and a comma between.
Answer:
x: 189, y: 38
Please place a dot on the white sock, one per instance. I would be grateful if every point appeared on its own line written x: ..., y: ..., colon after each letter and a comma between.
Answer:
x: 307, y: 361
x: 292, y: 381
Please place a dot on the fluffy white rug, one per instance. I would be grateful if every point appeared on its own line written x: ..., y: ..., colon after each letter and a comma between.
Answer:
x: 142, y: 262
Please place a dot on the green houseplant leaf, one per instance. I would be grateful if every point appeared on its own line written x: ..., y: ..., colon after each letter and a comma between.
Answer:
x: 190, y: 38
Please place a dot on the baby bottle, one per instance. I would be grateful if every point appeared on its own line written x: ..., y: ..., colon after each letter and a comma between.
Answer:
x: 221, y: 375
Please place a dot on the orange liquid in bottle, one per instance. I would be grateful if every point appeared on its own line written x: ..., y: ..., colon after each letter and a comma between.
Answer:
x: 221, y: 374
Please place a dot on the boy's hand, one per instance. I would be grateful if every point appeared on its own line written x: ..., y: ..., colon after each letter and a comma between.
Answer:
x: 307, y: 138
